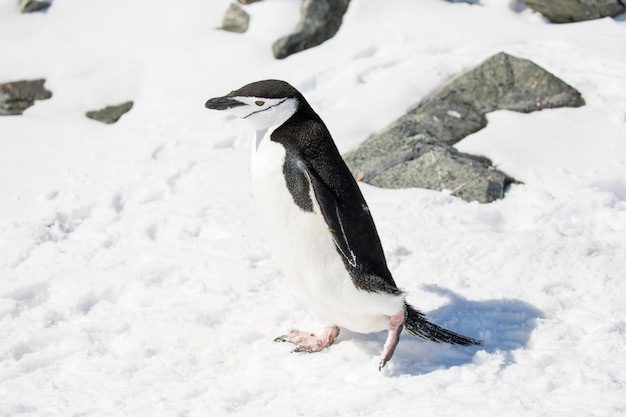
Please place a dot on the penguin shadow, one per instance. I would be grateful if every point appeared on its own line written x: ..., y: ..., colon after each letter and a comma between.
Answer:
x: 503, y: 325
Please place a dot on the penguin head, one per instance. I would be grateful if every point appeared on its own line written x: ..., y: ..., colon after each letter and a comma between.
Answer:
x: 264, y: 103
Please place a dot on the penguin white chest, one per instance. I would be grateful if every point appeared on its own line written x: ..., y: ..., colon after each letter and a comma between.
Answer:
x: 300, y: 239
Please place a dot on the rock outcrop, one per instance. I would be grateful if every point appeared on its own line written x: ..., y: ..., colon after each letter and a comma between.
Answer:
x: 320, y: 20
x: 423, y: 161
x: 17, y: 96
x: 415, y: 150
x: 235, y: 19
x: 566, y: 11
x: 29, y: 6
x: 110, y: 114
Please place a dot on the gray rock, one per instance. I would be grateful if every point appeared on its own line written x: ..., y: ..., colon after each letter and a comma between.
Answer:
x: 235, y: 19
x: 502, y: 82
x: 247, y: 1
x: 566, y: 11
x: 401, y: 154
x: 423, y: 161
x: 17, y: 96
x: 320, y: 20
x: 29, y: 6
x: 110, y: 114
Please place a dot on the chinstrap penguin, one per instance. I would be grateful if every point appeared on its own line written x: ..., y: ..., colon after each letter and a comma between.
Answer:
x: 319, y: 225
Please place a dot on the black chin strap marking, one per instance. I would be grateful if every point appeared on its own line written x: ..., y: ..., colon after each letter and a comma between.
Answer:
x: 259, y: 111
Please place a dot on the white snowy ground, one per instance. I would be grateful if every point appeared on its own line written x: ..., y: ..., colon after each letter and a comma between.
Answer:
x: 134, y: 280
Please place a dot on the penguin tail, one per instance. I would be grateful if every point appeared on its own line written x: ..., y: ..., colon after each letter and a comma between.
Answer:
x: 415, y: 323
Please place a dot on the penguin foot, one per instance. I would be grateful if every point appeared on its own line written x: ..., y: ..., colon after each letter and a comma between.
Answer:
x: 396, y: 322
x: 310, y: 342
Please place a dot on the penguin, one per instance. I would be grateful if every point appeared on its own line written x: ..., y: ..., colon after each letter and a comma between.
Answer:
x: 318, y: 224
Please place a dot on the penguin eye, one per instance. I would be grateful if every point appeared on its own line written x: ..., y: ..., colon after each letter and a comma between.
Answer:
x: 259, y: 103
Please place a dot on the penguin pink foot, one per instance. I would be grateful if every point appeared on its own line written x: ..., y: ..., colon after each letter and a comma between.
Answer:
x: 310, y: 342
x: 396, y: 322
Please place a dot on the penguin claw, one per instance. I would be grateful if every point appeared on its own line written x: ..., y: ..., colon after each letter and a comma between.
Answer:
x: 305, y: 349
x: 281, y: 339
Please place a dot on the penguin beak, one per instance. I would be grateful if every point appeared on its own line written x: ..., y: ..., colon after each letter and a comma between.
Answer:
x: 223, y: 103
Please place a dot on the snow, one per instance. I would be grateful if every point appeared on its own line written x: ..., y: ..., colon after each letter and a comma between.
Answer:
x: 134, y: 280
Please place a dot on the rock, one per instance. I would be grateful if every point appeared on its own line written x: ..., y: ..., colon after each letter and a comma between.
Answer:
x: 425, y: 162
x: 502, y: 82
x: 247, y: 1
x: 566, y: 11
x: 28, y: 6
x: 17, y: 96
x: 110, y: 114
x: 320, y: 20
x: 401, y: 154
x: 235, y: 19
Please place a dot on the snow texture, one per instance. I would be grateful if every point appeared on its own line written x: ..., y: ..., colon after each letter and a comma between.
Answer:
x: 134, y: 280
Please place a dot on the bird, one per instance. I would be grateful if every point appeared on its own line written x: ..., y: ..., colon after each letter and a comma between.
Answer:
x: 319, y: 226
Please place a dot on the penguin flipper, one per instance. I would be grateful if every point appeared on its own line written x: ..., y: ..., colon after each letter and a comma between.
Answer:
x: 330, y: 211
x: 352, y: 231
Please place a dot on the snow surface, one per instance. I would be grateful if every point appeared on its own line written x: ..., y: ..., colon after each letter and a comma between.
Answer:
x: 134, y: 280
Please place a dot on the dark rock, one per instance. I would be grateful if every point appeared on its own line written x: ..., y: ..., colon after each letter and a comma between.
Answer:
x: 29, y: 6
x: 17, y: 96
x: 235, y: 19
x: 566, y: 11
x: 401, y: 154
x: 320, y: 20
x: 110, y: 114
x: 247, y: 1
x: 502, y: 82
x: 425, y: 162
